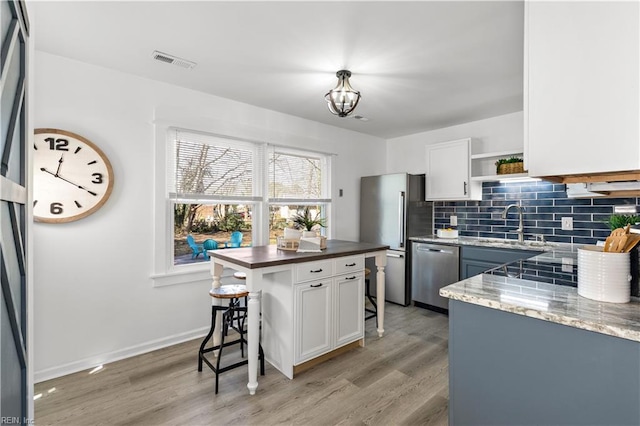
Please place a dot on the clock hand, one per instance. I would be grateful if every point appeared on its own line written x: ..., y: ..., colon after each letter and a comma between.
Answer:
x: 59, y: 165
x: 47, y: 171
x: 68, y: 181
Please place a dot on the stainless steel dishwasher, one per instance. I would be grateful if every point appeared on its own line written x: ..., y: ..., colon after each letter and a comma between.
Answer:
x: 433, y: 266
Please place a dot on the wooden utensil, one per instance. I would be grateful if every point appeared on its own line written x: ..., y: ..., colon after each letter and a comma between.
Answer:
x: 615, y: 243
x: 607, y: 243
x: 619, y: 243
x: 632, y: 240
x: 618, y: 231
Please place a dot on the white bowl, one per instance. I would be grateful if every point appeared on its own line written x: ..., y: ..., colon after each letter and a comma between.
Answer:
x: 447, y: 233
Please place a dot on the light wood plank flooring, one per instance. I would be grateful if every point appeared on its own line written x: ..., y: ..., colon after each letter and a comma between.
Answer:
x: 401, y: 378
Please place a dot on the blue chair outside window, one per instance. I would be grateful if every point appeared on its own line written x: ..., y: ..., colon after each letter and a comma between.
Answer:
x: 209, y: 245
x: 195, y: 248
x: 235, y: 241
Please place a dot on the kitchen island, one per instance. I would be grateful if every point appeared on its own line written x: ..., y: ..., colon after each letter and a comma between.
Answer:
x: 523, y: 351
x: 310, y: 304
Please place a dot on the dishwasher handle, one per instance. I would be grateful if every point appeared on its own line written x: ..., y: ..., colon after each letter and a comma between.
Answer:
x: 437, y: 250
x: 431, y: 249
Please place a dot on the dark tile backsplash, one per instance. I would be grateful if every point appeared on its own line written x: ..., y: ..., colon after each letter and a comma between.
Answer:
x: 544, y: 203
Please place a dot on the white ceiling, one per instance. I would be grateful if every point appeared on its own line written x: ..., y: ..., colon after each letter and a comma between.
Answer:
x: 419, y: 65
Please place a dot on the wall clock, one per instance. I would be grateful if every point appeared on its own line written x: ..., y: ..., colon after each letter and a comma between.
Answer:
x: 72, y: 177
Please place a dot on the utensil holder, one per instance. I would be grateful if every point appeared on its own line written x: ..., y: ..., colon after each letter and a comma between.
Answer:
x: 604, y: 276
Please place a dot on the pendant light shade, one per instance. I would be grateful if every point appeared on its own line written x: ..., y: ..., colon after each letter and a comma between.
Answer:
x: 342, y: 99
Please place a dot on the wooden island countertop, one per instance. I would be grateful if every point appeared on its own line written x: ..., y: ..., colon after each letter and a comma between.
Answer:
x: 264, y: 256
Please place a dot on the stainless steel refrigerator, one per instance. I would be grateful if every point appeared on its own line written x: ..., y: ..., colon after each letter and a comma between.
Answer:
x: 392, y: 209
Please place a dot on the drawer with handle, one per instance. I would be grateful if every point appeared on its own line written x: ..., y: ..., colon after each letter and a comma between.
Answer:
x: 345, y: 265
x: 314, y: 270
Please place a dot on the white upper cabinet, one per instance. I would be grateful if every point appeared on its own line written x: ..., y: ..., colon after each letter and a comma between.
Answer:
x: 582, y: 89
x: 449, y: 171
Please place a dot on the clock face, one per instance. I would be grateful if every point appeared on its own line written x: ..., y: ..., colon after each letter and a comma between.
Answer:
x: 72, y: 177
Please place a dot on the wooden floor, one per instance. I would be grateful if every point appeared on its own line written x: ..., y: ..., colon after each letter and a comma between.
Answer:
x: 401, y: 378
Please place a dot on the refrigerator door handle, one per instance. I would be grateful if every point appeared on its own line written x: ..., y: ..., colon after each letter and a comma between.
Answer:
x: 399, y: 256
x: 401, y: 223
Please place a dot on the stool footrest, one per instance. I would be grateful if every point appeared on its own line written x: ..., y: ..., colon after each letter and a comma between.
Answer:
x: 223, y: 369
x: 224, y: 345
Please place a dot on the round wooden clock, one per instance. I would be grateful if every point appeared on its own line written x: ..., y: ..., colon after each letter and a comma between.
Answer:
x: 72, y: 177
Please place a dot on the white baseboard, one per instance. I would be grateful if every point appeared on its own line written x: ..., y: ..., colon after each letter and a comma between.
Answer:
x: 94, y: 361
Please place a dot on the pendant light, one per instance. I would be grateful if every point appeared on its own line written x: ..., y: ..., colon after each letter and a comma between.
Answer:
x: 342, y: 99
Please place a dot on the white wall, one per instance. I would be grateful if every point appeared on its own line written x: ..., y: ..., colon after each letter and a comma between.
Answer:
x: 93, y: 297
x: 502, y: 133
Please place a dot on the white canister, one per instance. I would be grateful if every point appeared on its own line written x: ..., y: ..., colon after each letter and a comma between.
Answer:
x: 604, y: 276
x: 292, y: 234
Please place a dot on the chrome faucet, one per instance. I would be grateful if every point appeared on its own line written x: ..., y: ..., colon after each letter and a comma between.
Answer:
x: 520, y: 230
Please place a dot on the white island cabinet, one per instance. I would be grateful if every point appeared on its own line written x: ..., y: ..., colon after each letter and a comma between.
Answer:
x: 305, y: 307
x: 329, y: 311
x: 582, y: 94
x: 448, y: 175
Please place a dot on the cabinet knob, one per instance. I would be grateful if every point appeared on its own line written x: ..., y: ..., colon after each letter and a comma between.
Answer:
x: 465, y: 188
x: 349, y: 264
x: 350, y: 278
x: 315, y: 285
x: 317, y: 270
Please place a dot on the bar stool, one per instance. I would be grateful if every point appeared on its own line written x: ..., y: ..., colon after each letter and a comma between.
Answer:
x: 373, y: 313
x: 230, y: 315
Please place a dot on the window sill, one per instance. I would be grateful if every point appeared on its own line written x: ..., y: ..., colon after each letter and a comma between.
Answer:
x: 190, y: 276
x: 182, y: 277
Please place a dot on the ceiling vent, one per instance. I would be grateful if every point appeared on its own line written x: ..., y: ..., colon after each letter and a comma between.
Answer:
x: 170, y: 59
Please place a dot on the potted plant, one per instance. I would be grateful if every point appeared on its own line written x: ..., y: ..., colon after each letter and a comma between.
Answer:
x: 303, y: 220
x: 616, y: 221
x: 509, y: 165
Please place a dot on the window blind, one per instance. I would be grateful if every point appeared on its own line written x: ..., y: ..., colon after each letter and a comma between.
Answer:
x: 206, y: 167
x: 298, y: 177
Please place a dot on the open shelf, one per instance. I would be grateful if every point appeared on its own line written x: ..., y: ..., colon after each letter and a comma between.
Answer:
x: 483, y: 168
x: 495, y: 154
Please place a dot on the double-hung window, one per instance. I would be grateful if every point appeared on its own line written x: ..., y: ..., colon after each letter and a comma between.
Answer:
x: 215, y: 192
x: 298, y: 183
x: 226, y: 193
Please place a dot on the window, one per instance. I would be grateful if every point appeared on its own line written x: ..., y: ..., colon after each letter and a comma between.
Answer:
x: 221, y: 189
x: 298, y: 185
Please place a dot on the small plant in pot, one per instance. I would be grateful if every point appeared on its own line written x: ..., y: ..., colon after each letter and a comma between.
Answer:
x: 303, y: 220
x: 616, y: 221
x: 509, y: 165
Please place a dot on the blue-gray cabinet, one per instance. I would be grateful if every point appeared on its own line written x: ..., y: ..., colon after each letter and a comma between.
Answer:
x: 508, y: 369
x: 475, y: 260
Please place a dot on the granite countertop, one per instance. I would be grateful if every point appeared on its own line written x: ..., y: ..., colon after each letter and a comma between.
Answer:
x: 495, y: 242
x: 549, y: 302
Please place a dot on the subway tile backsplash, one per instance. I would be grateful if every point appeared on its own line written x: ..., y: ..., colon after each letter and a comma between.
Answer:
x: 544, y: 203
